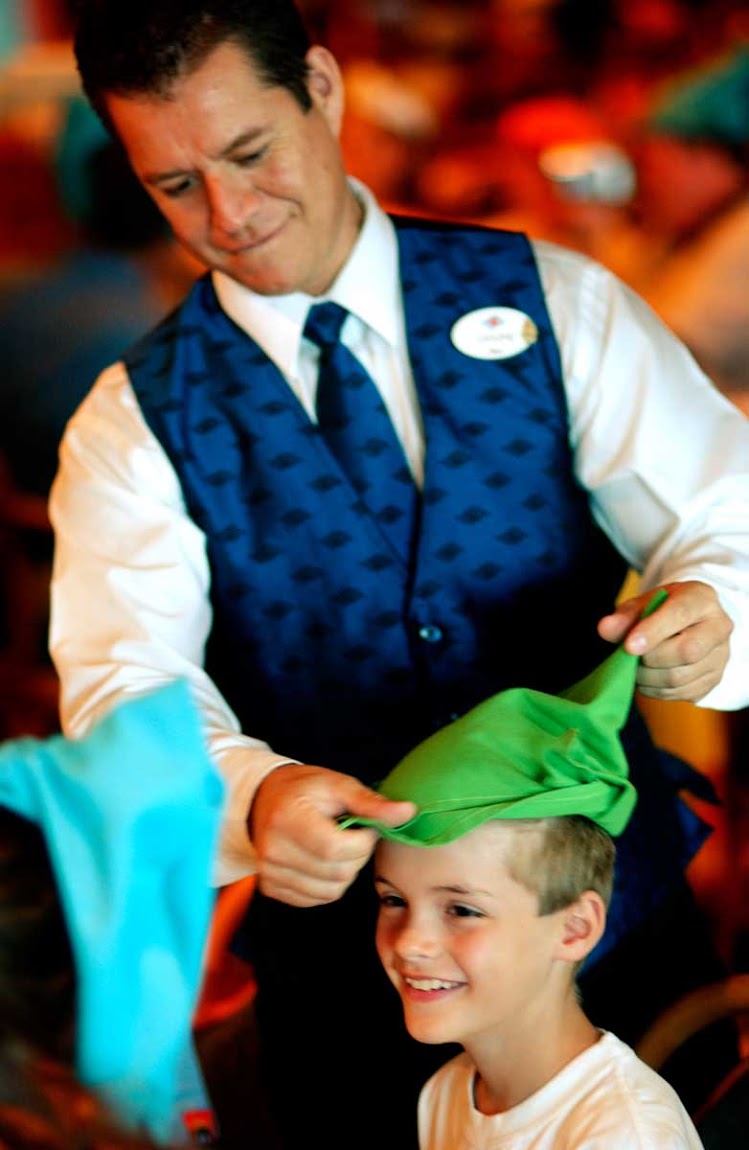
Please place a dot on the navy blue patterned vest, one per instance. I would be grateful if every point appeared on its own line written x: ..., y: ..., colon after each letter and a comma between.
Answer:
x: 325, y: 643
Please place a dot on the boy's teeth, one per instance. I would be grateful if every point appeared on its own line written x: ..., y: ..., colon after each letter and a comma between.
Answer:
x: 429, y: 984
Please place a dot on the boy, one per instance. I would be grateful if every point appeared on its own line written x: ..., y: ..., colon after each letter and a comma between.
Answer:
x: 483, y: 933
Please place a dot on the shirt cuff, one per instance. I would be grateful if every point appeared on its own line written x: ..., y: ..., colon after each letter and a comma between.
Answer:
x: 243, y: 767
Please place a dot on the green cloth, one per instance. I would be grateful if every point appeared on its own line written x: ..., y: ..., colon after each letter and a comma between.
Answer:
x: 523, y: 754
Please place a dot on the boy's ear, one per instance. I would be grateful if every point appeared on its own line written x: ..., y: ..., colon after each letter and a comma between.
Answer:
x: 582, y: 925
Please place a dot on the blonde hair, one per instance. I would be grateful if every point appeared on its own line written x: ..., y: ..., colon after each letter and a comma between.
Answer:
x: 559, y: 858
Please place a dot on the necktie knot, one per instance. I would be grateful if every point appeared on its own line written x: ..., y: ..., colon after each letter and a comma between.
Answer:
x: 324, y: 323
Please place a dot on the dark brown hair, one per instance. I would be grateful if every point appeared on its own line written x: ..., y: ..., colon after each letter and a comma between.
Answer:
x: 133, y: 47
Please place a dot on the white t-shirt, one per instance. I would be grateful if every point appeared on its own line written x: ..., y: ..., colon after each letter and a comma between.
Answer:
x: 605, y: 1099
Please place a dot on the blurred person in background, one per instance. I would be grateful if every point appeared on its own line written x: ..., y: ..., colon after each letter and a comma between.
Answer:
x: 553, y: 167
x: 63, y: 318
x: 63, y: 322
x: 42, y: 1104
x: 388, y: 125
x: 693, y: 205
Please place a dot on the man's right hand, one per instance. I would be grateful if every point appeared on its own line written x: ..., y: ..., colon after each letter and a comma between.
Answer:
x: 304, y: 857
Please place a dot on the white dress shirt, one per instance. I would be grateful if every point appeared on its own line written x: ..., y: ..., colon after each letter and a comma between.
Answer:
x: 664, y: 457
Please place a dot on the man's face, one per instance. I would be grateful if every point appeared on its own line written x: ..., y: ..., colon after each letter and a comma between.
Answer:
x: 463, y: 943
x: 251, y: 184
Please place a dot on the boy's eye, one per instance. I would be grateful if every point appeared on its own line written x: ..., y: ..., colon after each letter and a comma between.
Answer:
x: 460, y: 910
x: 391, y: 900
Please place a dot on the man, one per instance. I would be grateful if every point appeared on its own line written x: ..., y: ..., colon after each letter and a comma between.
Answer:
x: 207, y: 527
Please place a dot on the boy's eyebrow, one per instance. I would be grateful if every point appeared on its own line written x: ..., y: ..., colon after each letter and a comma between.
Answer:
x: 464, y: 890
x: 447, y: 888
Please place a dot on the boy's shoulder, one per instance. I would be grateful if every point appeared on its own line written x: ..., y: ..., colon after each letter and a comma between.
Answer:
x: 619, y: 1101
x: 605, y: 1097
x: 446, y: 1112
x: 456, y: 1075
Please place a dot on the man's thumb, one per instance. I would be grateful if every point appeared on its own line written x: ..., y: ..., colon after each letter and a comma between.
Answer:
x: 368, y: 804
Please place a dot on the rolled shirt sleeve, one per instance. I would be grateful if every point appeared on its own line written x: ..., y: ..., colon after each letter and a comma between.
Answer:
x: 129, y: 598
x: 664, y: 455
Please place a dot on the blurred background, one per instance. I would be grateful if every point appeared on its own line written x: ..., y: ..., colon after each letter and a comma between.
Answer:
x: 616, y: 127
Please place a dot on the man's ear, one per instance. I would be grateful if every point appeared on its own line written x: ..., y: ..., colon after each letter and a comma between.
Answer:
x: 325, y: 85
x: 582, y: 925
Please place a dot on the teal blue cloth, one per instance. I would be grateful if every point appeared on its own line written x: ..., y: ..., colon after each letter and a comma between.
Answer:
x: 13, y: 31
x: 81, y: 135
x: 708, y: 103
x: 130, y: 815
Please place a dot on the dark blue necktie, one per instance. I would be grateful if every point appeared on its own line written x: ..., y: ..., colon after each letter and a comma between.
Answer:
x: 356, y: 425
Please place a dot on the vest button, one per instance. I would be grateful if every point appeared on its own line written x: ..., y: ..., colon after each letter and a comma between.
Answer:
x: 430, y: 633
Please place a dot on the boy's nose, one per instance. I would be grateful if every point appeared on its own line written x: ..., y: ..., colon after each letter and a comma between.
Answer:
x: 416, y: 940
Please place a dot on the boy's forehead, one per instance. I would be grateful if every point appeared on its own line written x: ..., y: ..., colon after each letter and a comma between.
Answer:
x: 504, y: 839
x: 494, y: 841
x: 478, y: 865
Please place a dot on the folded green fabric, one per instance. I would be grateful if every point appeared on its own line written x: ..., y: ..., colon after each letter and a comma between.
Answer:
x: 523, y: 754
x: 130, y: 815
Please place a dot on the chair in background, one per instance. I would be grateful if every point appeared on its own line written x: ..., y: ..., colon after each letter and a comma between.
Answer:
x: 228, y: 985
x: 225, y: 1031
x: 723, y: 1120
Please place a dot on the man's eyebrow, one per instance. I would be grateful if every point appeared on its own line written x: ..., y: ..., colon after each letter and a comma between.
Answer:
x: 154, y: 178
x: 247, y: 137
x: 240, y: 141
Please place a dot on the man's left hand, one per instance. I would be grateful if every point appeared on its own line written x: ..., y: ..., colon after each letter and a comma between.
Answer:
x: 683, y: 645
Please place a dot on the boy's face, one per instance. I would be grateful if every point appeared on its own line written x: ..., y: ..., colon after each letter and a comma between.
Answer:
x: 462, y: 941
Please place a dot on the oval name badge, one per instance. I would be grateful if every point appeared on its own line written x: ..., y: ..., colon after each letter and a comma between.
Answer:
x: 494, y: 333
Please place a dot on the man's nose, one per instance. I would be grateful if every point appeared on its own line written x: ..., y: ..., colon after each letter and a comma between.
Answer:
x: 231, y: 205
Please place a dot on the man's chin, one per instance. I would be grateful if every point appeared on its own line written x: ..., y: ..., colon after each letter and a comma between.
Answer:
x: 261, y: 280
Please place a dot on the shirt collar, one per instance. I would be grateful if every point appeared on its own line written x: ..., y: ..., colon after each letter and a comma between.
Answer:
x: 276, y: 322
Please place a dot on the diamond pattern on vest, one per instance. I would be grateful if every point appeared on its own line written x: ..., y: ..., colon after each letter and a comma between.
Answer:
x: 328, y: 607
